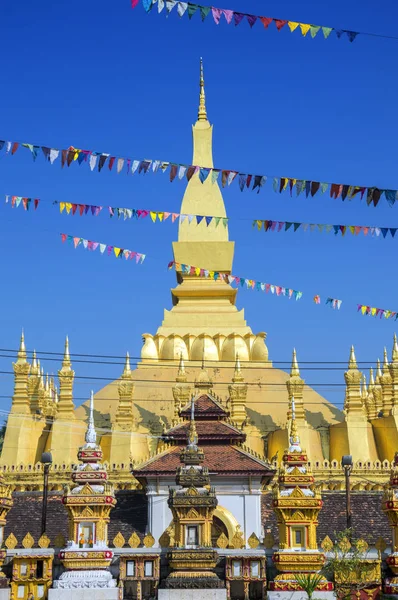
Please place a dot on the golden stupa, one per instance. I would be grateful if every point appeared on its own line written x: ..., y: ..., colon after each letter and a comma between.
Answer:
x: 203, y: 326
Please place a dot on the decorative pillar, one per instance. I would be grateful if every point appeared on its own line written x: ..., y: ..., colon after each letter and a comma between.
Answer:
x: 390, y: 507
x: 369, y: 396
x: 124, y: 418
x: 66, y: 408
x: 89, y: 502
x: 238, y: 395
x: 20, y: 399
x: 296, y: 504
x: 386, y: 384
x: 192, y: 559
x: 181, y: 392
x: 295, y: 387
x: 393, y: 368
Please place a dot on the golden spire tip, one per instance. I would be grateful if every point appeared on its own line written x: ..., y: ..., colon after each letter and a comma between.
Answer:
x: 202, y: 114
x: 352, y: 363
x: 295, y: 371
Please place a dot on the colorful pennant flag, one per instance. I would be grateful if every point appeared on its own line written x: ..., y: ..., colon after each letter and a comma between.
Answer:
x: 110, y: 250
x: 377, y: 312
x: 97, y: 160
x: 278, y: 226
x: 235, y: 17
x: 238, y: 281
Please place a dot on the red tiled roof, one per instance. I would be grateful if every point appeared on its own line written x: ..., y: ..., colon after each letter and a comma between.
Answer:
x: 220, y: 459
x: 205, y: 406
x: 207, y: 430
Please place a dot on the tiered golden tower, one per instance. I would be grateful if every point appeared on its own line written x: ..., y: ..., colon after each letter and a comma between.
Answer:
x: 296, y: 504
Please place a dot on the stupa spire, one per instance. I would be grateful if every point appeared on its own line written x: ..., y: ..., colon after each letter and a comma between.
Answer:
x: 395, y: 349
x: 91, y: 434
x: 352, y: 363
x: 378, y: 371
x: 294, y: 371
x: 21, y: 355
x: 127, y: 367
x: 66, y: 362
x: 385, y: 362
x: 202, y: 114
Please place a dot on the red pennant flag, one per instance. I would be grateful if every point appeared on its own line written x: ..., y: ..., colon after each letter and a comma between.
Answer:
x: 111, y: 161
x: 74, y: 208
x: 266, y: 21
x: 14, y: 147
x: 36, y: 203
x: 81, y: 209
x: 134, y: 3
x: 63, y: 237
x: 279, y: 23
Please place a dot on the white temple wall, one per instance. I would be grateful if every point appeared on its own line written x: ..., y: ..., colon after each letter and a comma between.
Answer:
x: 239, y: 496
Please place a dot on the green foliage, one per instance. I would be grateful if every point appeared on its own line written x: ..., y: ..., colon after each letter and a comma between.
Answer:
x: 348, y: 566
x: 308, y: 582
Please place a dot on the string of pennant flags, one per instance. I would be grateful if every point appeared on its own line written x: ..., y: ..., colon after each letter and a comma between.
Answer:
x: 233, y: 16
x: 274, y: 289
x: 71, y: 208
x: 98, y: 160
x: 250, y: 284
x: 110, y: 250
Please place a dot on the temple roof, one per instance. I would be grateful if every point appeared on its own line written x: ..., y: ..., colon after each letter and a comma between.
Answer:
x: 206, y: 407
x: 220, y: 460
x: 208, y: 430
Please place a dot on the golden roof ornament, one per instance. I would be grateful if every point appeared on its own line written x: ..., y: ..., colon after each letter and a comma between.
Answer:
x: 294, y: 371
x: 395, y: 349
x: 352, y: 363
x: 21, y: 354
x: 134, y: 540
x: 294, y: 438
x: 202, y: 114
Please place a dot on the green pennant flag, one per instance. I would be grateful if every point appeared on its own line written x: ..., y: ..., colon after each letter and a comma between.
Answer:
x: 192, y: 8
x: 204, y: 11
x: 217, y: 220
x: 225, y: 222
x: 288, y: 225
x: 296, y: 226
x: 314, y: 30
x: 327, y: 31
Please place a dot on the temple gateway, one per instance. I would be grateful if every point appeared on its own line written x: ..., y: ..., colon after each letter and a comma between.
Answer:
x: 210, y: 486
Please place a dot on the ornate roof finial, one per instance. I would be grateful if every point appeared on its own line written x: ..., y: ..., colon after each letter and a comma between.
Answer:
x: 395, y: 349
x: 91, y: 435
x: 47, y: 384
x: 127, y: 368
x: 66, y: 362
x: 237, y: 376
x: 294, y: 438
x: 352, y: 363
x: 33, y: 370
x: 378, y: 371
x: 385, y: 362
x: 295, y: 371
x: 192, y: 435
x: 371, y: 379
x: 21, y: 355
x: 181, y: 366
x: 202, y: 115
x: 364, y: 388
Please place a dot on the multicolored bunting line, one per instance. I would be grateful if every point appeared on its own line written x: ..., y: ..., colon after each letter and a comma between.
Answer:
x: 274, y: 289
x: 233, y: 16
x: 250, y: 283
x: 97, y: 160
x: 343, y: 229
x: 71, y: 208
x: 89, y: 245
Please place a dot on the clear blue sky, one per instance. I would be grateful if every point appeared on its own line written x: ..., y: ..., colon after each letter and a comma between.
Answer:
x: 97, y: 75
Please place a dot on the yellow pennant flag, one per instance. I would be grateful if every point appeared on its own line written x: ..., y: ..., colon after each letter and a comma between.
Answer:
x: 259, y: 224
x: 68, y: 207
x: 197, y: 271
x: 285, y: 184
x: 363, y: 309
x: 153, y: 215
x: 373, y: 311
x: 352, y: 229
x: 116, y: 251
x: 160, y: 216
x: 76, y: 155
x: 292, y: 25
x: 177, y: 266
x: 304, y: 28
x: 211, y: 274
x: 61, y: 207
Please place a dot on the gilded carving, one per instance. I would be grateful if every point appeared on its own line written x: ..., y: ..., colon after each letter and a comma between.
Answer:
x: 11, y: 542
x: 134, y: 540
x: 28, y: 541
x: 222, y: 541
x: 253, y: 541
x: 238, y: 540
x: 148, y: 540
x: 44, y: 541
x: 60, y: 541
x: 118, y: 540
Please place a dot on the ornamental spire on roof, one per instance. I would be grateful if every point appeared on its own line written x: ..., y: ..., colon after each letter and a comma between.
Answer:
x: 202, y: 114
x: 294, y: 437
x: 91, y: 434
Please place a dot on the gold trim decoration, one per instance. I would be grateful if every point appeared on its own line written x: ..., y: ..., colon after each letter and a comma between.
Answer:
x: 44, y: 541
x: 222, y: 541
x: 118, y: 540
x: 362, y: 546
x: 327, y: 544
x: 164, y: 540
x: 345, y: 544
x: 60, y: 541
x: 253, y: 541
x: 134, y: 540
x: 149, y: 540
x: 238, y: 541
x: 269, y: 540
x: 28, y: 541
x: 11, y: 542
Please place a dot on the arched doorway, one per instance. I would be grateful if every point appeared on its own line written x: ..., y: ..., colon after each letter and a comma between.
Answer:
x: 217, y: 528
